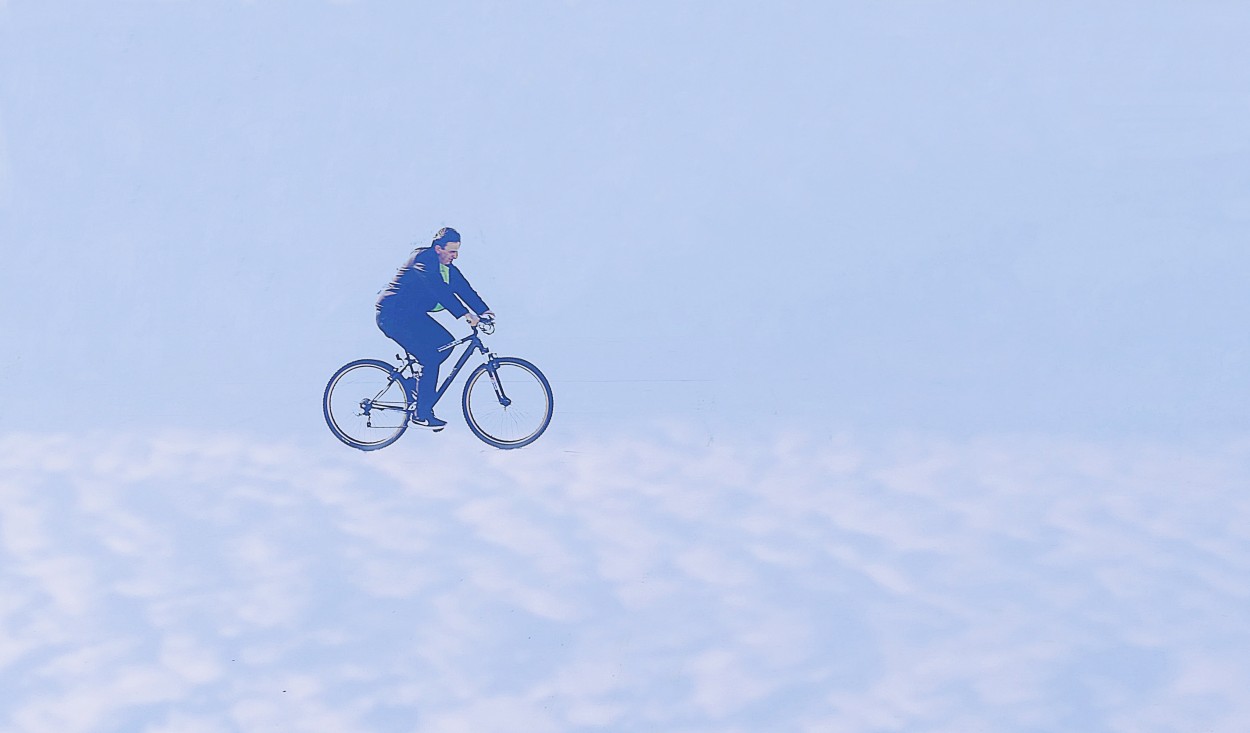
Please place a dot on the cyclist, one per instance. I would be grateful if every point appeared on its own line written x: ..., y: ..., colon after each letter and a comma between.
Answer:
x: 427, y: 283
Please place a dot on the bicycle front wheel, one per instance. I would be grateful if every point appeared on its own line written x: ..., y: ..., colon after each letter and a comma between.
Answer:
x: 507, y: 402
x: 366, y: 405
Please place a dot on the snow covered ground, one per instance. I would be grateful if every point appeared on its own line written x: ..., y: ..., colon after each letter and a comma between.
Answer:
x: 197, y: 583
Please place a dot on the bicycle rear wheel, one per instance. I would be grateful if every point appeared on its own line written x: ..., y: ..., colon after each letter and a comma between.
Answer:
x: 507, y: 402
x: 366, y: 405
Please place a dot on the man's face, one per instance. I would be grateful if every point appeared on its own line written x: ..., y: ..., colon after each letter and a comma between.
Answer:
x: 446, y: 255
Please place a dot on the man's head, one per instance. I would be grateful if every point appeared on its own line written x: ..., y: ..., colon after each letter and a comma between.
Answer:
x: 447, y: 245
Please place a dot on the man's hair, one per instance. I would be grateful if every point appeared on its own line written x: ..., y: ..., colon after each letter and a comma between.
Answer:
x: 446, y: 236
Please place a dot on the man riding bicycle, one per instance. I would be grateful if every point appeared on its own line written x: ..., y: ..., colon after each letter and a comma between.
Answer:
x: 427, y: 283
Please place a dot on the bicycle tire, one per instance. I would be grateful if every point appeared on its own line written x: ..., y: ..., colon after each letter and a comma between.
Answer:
x: 348, y: 416
x: 514, y: 425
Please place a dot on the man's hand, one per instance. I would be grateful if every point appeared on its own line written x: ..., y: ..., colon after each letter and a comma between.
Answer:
x: 472, y: 318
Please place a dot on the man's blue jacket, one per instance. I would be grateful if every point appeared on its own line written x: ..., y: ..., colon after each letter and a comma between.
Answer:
x: 419, y: 287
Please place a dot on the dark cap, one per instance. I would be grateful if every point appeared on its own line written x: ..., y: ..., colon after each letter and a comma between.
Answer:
x: 446, y: 236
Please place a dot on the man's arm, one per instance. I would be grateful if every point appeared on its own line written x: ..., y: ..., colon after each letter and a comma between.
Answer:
x: 426, y: 266
x: 461, y: 287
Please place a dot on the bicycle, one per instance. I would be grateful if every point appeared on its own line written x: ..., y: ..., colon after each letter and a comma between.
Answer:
x: 507, y: 402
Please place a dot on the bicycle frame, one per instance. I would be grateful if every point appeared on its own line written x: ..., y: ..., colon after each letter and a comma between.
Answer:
x: 507, y: 401
x: 475, y: 344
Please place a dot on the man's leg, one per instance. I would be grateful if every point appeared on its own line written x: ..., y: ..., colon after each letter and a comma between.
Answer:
x: 421, y: 336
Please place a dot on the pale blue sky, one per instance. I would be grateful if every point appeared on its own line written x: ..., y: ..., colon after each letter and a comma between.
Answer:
x: 899, y: 354
x: 943, y: 216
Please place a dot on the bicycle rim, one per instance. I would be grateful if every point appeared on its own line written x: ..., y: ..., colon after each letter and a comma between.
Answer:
x: 366, y: 406
x: 528, y: 409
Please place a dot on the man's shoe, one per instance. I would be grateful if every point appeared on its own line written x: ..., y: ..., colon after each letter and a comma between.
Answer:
x: 430, y: 422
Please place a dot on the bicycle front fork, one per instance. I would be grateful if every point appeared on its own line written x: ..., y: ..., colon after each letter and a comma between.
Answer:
x: 492, y: 368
